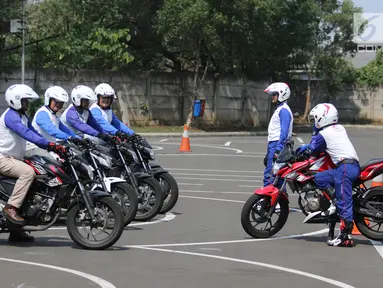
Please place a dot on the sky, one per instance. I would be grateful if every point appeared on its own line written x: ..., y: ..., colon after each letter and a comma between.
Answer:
x: 370, y: 6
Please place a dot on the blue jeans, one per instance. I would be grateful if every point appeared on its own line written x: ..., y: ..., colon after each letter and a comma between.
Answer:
x: 342, y: 178
x: 267, y: 174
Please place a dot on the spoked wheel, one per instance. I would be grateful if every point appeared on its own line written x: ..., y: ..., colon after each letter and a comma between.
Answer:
x: 254, y: 216
x: 171, y: 191
x: 126, y: 197
x: 88, y: 235
x: 373, y: 229
x: 150, y: 199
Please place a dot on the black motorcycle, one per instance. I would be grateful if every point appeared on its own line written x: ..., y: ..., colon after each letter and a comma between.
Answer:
x: 149, y: 192
x: 58, y: 185
x: 169, y: 185
x: 119, y: 188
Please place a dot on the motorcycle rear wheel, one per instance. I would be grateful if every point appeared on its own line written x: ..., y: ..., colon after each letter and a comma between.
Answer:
x: 248, y: 213
x: 366, y: 229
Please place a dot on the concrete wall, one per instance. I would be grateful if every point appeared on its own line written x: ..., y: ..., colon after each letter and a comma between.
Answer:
x: 230, y: 101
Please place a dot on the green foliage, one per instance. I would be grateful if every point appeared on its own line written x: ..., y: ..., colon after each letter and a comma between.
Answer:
x: 77, y: 37
x: 371, y: 75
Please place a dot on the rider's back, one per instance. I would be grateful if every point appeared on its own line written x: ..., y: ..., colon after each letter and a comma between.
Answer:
x: 338, y: 145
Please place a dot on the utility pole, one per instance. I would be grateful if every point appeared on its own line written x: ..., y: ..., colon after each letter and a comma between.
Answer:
x: 23, y: 45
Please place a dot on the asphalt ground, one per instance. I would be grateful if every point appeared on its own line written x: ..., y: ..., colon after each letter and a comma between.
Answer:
x: 201, y: 243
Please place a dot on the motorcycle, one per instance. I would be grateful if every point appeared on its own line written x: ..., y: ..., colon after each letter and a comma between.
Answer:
x: 298, y: 172
x: 119, y: 188
x: 144, y: 152
x: 149, y: 192
x: 58, y: 186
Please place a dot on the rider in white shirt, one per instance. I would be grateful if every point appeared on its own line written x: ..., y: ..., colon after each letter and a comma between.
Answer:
x: 280, y: 127
x: 332, y: 138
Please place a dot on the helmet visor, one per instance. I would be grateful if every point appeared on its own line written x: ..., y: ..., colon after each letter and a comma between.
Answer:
x: 311, y: 119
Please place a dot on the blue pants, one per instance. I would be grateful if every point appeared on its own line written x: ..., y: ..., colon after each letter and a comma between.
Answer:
x: 342, y: 178
x: 267, y: 174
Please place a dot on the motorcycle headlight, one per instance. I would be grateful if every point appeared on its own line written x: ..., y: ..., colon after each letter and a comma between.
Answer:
x: 150, y: 153
x: 89, y: 170
x: 277, y: 167
x: 105, y: 160
x: 134, y: 155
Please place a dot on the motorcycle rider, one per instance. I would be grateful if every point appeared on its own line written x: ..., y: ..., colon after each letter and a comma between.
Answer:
x: 46, y: 121
x: 332, y: 138
x: 77, y: 116
x: 280, y: 126
x: 15, y: 130
x: 103, y: 113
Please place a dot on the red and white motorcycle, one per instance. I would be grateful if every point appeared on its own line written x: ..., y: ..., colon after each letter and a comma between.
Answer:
x: 298, y: 172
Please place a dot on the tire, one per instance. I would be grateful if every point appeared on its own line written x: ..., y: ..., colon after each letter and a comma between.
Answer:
x: 153, y: 184
x: 375, y: 195
x: 301, y: 207
x: 126, y: 190
x: 114, y: 235
x: 246, y: 214
x: 172, y: 186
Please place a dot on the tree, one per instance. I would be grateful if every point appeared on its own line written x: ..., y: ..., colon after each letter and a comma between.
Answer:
x: 334, y: 34
x: 77, y: 36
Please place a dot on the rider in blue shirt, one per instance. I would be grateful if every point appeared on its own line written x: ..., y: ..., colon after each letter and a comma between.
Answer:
x: 77, y: 116
x: 103, y: 113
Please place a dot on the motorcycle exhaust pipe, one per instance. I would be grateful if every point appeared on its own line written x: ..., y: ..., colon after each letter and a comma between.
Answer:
x: 41, y: 228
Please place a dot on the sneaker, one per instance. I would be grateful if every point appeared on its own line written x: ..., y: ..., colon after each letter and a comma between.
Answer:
x: 342, y: 240
x: 331, y: 210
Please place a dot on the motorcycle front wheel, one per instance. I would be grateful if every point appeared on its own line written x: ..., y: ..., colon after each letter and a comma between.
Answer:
x: 254, y: 213
x: 171, y: 191
x: 106, y: 211
x: 150, y: 199
x: 126, y: 197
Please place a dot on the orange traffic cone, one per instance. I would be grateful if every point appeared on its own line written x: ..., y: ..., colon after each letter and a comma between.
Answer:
x: 377, y: 181
x: 185, y: 142
x: 355, y: 230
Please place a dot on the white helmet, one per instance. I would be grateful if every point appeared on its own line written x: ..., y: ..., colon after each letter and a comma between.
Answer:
x: 55, y: 92
x: 16, y: 92
x: 82, y: 92
x: 105, y: 90
x: 279, y: 88
x: 323, y: 114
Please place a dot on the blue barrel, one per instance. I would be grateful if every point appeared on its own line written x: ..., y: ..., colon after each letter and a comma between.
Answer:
x: 197, y: 108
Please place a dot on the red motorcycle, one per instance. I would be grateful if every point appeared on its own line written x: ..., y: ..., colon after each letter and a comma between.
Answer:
x: 298, y: 172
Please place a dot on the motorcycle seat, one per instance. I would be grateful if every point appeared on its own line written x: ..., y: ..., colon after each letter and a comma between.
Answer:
x: 371, y: 162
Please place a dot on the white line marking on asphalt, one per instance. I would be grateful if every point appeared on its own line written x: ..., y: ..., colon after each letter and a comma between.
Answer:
x: 168, y: 217
x: 220, y: 155
x: 219, y: 175
x: 275, y: 267
x: 226, y: 192
x: 215, y: 192
x: 163, y: 140
x: 378, y: 246
x: 210, y: 249
x: 214, y: 179
x: 227, y: 143
x: 157, y: 148
x: 99, y: 281
x: 234, y: 241
x: 247, y: 186
x: 226, y: 200
x: 193, y: 184
x: 208, y: 170
x: 300, y: 140
x: 208, y: 146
